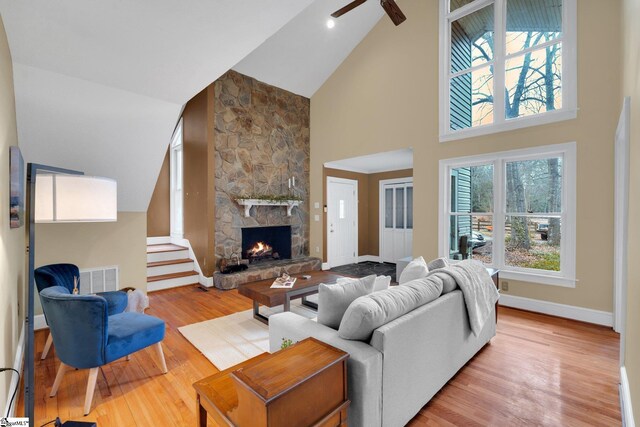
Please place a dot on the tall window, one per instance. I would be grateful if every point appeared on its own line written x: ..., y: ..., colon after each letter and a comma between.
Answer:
x: 514, y: 211
x: 506, y: 64
x: 176, y: 193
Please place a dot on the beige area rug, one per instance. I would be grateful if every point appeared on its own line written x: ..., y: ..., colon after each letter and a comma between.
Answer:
x: 229, y: 340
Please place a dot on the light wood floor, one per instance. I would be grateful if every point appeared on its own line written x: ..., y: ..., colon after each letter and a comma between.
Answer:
x: 538, y: 370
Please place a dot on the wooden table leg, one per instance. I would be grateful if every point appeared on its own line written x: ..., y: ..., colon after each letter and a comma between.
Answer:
x: 201, y: 413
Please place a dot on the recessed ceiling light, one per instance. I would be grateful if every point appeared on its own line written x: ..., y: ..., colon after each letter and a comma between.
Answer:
x: 331, y: 23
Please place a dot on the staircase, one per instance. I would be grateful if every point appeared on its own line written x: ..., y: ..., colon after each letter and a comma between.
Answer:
x: 169, y: 266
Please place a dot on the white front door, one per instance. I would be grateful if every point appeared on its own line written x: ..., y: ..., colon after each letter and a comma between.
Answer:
x: 396, y: 219
x: 176, y: 196
x: 342, y: 221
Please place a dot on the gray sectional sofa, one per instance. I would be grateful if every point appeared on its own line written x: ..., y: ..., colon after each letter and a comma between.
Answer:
x: 406, y: 361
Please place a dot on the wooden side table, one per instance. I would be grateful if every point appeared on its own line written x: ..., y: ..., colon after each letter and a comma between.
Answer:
x: 305, y: 384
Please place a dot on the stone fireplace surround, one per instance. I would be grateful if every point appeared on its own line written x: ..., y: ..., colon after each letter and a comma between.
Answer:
x: 261, y: 143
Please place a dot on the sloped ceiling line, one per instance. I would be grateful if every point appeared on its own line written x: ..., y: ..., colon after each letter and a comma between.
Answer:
x: 101, y: 83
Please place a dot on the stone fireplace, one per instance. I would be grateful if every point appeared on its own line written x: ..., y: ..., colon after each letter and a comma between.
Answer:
x: 266, y: 243
x: 261, y: 150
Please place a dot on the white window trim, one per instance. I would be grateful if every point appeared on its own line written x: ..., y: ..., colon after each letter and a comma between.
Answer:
x: 567, y: 276
x: 569, y: 108
x: 176, y: 225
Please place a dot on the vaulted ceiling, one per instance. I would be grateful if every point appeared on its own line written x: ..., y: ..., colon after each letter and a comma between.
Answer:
x: 100, y: 84
x: 302, y: 55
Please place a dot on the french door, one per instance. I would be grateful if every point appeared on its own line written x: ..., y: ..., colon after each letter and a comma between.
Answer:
x: 396, y: 219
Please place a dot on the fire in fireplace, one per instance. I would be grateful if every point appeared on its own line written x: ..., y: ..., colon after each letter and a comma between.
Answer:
x: 264, y: 243
x: 262, y: 250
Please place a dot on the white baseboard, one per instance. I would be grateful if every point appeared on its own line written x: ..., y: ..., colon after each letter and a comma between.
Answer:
x: 625, y: 400
x: 561, y: 310
x: 325, y: 266
x: 39, y: 322
x: 9, y: 410
x: 372, y: 258
x: 158, y: 240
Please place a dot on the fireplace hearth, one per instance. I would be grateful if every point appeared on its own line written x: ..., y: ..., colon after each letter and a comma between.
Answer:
x: 266, y: 243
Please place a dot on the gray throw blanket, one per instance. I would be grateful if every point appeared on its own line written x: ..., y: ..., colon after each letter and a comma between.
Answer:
x: 479, y: 291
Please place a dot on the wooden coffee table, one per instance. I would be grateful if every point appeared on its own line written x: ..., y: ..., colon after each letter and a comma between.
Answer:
x: 260, y: 292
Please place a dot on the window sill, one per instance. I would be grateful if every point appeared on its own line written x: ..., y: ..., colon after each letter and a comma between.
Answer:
x: 511, y: 124
x: 543, y: 279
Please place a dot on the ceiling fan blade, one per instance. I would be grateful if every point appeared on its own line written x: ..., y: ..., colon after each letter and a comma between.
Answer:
x: 393, y: 11
x: 338, y: 13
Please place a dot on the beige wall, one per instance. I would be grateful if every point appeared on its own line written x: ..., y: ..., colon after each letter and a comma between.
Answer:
x: 12, y: 240
x: 122, y: 243
x: 631, y: 87
x: 158, y: 215
x: 384, y: 97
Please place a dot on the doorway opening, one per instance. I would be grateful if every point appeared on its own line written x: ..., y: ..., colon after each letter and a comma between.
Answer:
x: 367, y: 238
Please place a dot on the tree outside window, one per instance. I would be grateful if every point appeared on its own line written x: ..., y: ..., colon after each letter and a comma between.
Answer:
x: 497, y: 74
x: 530, y: 201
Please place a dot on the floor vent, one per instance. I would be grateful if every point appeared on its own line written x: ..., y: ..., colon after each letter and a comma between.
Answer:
x: 99, y: 279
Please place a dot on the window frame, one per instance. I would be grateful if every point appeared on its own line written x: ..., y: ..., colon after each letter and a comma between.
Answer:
x: 566, y: 277
x: 500, y: 122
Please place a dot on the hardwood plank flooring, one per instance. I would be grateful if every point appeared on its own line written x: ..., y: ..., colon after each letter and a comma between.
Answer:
x: 538, y: 370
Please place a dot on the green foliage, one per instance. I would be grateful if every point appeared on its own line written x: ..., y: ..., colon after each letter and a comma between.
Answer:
x: 286, y: 342
x: 545, y: 261
x: 270, y: 197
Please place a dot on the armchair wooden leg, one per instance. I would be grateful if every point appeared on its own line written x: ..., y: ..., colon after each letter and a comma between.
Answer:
x: 91, y: 386
x: 47, y: 347
x: 128, y: 357
x: 160, y: 353
x: 56, y: 383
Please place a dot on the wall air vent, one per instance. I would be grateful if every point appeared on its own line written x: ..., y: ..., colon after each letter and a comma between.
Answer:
x: 99, y: 279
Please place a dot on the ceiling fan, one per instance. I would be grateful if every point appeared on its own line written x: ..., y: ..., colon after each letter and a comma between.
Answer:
x: 389, y: 6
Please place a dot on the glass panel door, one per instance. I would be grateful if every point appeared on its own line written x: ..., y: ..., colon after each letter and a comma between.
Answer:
x: 388, y: 208
x: 399, y: 207
x: 397, y: 229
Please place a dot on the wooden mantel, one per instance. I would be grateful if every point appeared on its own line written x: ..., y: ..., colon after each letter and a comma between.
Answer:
x: 248, y: 203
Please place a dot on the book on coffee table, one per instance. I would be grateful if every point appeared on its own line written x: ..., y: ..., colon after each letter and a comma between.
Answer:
x: 284, y: 282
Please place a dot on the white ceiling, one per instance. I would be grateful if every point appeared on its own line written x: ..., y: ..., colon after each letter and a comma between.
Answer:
x: 100, y: 83
x: 302, y: 55
x: 164, y: 49
x: 374, y: 163
x: 76, y: 124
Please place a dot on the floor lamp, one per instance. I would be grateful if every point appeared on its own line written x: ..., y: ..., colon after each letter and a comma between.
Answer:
x: 57, y: 195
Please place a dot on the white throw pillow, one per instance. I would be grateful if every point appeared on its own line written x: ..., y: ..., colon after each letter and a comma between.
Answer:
x: 333, y: 300
x: 381, y: 283
x: 369, y: 312
x: 417, y: 269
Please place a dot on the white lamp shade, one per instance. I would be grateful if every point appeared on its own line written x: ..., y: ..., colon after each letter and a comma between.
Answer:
x: 75, y: 198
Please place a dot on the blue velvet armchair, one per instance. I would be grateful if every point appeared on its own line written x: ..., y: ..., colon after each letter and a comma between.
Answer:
x: 63, y: 275
x: 86, y: 337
